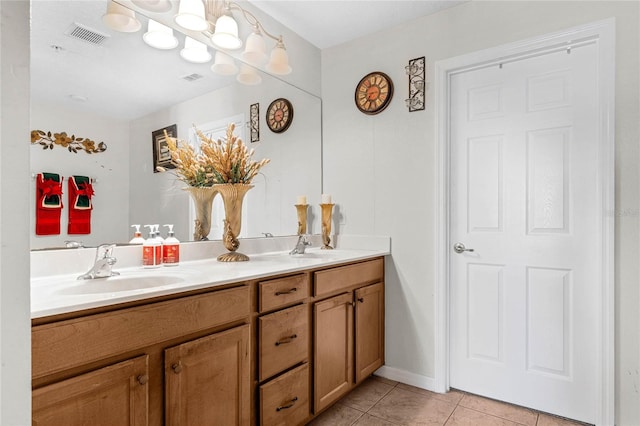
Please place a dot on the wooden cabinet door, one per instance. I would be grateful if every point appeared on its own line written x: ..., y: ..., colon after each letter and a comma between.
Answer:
x: 333, y: 349
x: 114, y: 395
x: 207, y: 380
x: 369, y: 330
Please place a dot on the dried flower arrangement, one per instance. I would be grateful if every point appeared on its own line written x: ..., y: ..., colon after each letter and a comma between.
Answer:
x: 220, y: 161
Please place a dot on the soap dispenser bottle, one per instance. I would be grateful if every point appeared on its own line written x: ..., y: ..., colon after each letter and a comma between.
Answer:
x: 151, y: 250
x: 137, y: 236
x: 170, y: 248
x: 158, y: 237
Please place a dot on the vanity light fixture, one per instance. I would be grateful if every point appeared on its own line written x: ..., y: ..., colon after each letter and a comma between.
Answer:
x: 120, y: 18
x: 191, y: 15
x: 215, y: 20
x: 225, y: 36
x: 195, y: 51
x: 415, y: 71
x: 159, y: 36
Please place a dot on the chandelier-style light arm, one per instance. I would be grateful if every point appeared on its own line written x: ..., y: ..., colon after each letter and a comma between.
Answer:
x: 251, y: 19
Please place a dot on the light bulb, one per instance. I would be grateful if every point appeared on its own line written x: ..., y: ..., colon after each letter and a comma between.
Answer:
x: 191, y: 15
x: 195, y: 51
x: 224, y: 64
x: 159, y: 36
x: 279, y: 62
x: 120, y: 18
x: 226, y: 33
x: 255, y: 51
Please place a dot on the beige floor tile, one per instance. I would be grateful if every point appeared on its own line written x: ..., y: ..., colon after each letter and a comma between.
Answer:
x: 453, y: 396
x: 547, y: 420
x: 500, y: 409
x: 366, y: 395
x: 384, y: 380
x: 338, y: 415
x: 467, y: 417
x: 411, y: 408
x: 369, y: 420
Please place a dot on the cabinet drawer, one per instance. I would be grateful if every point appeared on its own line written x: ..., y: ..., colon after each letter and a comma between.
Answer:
x: 336, y: 279
x: 284, y: 340
x: 66, y: 344
x: 283, y: 291
x: 285, y: 400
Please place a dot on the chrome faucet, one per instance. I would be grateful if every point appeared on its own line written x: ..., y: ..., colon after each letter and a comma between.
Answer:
x: 103, y: 263
x: 301, y: 245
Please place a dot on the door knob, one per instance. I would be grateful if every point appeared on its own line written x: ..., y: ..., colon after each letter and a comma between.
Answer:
x: 460, y: 248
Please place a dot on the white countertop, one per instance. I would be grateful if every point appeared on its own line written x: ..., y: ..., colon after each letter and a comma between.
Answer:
x: 58, y: 294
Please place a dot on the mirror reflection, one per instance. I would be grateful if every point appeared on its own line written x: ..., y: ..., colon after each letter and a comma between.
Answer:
x: 121, y: 91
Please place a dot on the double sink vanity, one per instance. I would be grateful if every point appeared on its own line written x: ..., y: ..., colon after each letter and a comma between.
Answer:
x: 272, y: 341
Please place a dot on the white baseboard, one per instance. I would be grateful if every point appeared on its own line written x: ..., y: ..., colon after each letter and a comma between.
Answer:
x: 406, y: 377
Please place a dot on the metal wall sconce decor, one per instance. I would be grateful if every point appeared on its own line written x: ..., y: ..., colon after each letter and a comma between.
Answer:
x: 254, y: 122
x: 416, y: 73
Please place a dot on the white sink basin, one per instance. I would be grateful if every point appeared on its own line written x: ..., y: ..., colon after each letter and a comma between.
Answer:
x: 118, y: 284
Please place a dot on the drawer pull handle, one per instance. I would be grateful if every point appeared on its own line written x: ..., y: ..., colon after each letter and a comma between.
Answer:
x: 292, y: 290
x: 177, y: 367
x: 361, y: 299
x: 286, y: 340
x: 288, y: 404
x: 143, y: 379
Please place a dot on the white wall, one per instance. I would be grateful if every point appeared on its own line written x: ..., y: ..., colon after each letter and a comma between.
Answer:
x: 109, y: 169
x: 15, y: 336
x: 381, y: 169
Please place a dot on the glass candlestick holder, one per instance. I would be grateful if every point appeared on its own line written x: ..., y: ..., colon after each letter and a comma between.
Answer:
x: 302, y: 218
x: 327, y: 210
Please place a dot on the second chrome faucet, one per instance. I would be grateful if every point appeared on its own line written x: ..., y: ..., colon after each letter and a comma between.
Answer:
x: 103, y: 263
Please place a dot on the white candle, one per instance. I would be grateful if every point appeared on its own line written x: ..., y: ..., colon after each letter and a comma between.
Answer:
x: 302, y: 200
x: 326, y: 199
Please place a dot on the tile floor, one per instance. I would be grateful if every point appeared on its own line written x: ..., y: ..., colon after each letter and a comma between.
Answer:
x: 382, y: 402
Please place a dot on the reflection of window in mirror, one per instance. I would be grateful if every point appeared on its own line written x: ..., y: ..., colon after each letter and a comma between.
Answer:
x: 218, y: 130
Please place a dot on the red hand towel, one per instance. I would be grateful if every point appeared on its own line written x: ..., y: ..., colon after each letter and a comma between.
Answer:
x: 48, y: 203
x: 80, y: 205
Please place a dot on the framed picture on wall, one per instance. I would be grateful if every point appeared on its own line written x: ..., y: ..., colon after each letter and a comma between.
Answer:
x: 161, y: 153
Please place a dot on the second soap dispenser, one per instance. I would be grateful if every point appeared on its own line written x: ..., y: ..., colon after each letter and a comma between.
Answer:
x: 170, y: 248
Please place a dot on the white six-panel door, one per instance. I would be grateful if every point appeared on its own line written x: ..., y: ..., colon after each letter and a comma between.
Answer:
x: 524, y: 152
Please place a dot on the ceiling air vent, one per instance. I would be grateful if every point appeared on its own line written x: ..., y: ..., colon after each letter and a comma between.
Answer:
x: 87, y: 34
x: 192, y: 77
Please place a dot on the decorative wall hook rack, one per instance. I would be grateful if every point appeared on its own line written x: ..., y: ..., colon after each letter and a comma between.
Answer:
x: 416, y: 72
x: 34, y: 175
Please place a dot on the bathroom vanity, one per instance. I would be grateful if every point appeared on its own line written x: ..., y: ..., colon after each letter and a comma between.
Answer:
x: 269, y: 347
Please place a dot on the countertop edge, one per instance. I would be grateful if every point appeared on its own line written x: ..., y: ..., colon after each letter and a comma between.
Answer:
x: 261, y: 266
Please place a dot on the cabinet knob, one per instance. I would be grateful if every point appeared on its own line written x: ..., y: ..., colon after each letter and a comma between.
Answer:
x: 291, y: 290
x: 287, y: 405
x: 143, y: 379
x: 177, y: 367
x: 361, y: 299
x: 286, y: 340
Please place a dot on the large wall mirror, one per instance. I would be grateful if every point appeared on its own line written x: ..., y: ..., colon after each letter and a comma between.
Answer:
x: 120, y: 90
